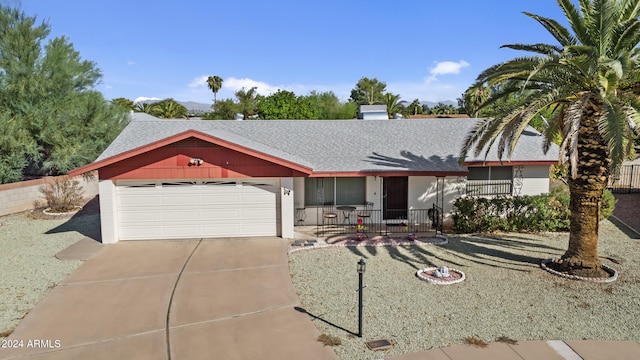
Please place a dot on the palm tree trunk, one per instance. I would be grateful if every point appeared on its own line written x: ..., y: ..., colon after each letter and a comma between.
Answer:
x: 581, y: 257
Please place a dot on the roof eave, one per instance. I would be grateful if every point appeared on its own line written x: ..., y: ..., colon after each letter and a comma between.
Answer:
x: 510, y: 162
x: 181, y: 136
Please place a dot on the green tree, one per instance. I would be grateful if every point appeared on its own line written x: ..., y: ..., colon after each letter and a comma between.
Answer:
x: 215, y: 84
x: 369, y: 92
x: 124, y: 103
x: 475, y: 96
x: 592, y: 78
x: 415, y: 108
x: 394, y: 105
x: 286, y: 105
x: 329, y: 106
x: 146, y: 108
x: 438, y: 109
x: 247, y: 102
x: 51, y: 119
x: 169, y: 109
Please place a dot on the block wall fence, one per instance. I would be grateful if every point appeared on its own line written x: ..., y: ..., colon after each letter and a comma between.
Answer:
x: 21, y: 196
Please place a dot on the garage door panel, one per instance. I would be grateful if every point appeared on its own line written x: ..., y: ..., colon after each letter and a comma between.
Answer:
x: 139, y: 200
x: 220, y: 199
x: 181, y: 215
x: 256, y: 214
x: 191, y: 211
x: 178, y: 199
x: 136, y: 216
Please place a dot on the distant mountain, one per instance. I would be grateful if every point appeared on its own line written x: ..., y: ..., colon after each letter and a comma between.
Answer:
x: 196, y: 106
x: 431, y: 104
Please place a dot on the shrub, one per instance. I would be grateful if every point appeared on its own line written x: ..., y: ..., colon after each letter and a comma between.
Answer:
x: 608, y: 204
x: 63, y: 194
x: 545, y: 212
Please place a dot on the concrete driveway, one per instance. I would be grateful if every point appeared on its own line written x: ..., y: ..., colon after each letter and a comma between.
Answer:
x: 187, y: 299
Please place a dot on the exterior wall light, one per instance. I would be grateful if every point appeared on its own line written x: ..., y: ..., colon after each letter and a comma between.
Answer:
x: 195, y: 162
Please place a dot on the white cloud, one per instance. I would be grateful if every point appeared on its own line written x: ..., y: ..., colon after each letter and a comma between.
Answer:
x: 142, y: 98
x: 445, y: 68
x: 130, y: 62
x: 107, y: 86
x: 199, y: 82
x: 262, y: 88
x: 448, y: 67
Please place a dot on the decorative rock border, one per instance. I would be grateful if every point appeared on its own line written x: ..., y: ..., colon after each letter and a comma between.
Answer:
x: 444, y: 281
x: 48, y: 211
x: 610, y: 270
x: 443, y: 240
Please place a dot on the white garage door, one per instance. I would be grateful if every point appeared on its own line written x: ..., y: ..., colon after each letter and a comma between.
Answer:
x: 174, y: 210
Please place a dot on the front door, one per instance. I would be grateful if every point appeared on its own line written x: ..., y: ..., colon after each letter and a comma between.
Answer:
x: 395, y: 197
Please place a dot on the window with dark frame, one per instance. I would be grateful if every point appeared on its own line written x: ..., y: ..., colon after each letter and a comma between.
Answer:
x: 334, y: 191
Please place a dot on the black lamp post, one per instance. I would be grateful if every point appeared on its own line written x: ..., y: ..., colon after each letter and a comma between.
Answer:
x: 361, y: 268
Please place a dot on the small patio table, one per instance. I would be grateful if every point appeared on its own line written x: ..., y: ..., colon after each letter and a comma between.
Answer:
x: 346, y: 213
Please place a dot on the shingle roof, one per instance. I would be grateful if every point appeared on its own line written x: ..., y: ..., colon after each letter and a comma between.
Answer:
x: 336, y: 145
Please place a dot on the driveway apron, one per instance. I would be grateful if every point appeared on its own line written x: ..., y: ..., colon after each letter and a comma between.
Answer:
x: 184, y: 299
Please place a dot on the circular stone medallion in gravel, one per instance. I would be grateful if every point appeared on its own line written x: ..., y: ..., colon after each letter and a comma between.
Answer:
x: 429, y: 275
x: 49, y: 211
x: 612, y: 272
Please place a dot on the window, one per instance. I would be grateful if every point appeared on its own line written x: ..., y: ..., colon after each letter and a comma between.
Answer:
x: 334, y: 191
x: 490, y: 181
x: 490, y: 173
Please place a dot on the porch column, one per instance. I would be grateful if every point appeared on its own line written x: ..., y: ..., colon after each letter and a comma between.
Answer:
x: 287, y: 208
x: 108, y: 218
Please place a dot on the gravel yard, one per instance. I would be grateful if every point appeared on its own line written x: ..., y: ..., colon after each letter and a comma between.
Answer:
x: 506, y: 294
x: 29, y: 266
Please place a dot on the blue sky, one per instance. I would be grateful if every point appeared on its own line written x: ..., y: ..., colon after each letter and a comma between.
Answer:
x: 425, y: 49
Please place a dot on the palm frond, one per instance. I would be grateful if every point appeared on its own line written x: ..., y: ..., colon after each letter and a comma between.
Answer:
x: 613, y: 126
x: 543, y: 49
x: 558, y: 31
x: 630, y: 10
x: 627, y: 35
x: 571, y: 129
x: 574, y: 18
x: 553, y: 131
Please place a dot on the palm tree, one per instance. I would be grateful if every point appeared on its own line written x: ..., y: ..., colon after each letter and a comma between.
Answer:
x: 394, y: 104
x: 169, y: 109
x: 215, y: 84
x: 592, y: 80
x: 474, y: 97
x: 143, y: 108
x: 247, y: 101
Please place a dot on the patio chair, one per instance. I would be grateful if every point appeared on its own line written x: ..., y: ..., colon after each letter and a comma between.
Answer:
x: 365, y: 213
x: 329, y: 215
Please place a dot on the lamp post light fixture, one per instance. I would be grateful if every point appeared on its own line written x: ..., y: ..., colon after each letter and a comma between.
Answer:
x: 362, y: 266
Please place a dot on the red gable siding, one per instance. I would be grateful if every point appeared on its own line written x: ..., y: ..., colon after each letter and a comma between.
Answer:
x: 172, y: 162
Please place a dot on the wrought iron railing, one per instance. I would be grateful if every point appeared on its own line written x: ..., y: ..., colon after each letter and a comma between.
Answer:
x: 627, y: 180
x: 489, y: 187
x: 384, y: 222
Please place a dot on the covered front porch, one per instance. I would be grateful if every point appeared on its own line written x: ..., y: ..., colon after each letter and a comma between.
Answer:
x: 351, y: 224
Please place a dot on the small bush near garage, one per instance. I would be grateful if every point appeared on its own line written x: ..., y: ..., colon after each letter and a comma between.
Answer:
x: 546, y: 212
x: 62, y: 195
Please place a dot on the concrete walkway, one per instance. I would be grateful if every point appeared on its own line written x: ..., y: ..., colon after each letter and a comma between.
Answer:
x: 222, y: 299
x: 211, y: 299
x: 534, y: 350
